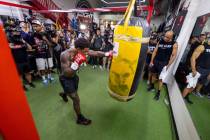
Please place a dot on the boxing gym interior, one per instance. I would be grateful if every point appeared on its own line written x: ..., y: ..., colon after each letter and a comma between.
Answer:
x: 104, y: 69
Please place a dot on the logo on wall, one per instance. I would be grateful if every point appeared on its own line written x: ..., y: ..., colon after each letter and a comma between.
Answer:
x: 83, y: 4
x: 84, y: 17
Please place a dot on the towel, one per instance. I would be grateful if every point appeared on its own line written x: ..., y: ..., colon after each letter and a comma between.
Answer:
x: 192, y: 81
x: 163, y: 73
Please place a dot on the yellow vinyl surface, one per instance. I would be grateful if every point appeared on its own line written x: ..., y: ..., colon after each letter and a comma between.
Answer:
x: 127, y: 46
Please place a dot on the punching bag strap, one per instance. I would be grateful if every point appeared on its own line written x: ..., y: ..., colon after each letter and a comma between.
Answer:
x: 126, y: 12
x: 129, y: 12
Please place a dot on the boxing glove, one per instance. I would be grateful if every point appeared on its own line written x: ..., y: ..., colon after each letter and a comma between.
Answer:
x: 109, y: 54
x: 78, y: 60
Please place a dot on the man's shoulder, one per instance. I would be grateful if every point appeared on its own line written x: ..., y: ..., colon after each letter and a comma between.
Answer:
x: 68, y: 52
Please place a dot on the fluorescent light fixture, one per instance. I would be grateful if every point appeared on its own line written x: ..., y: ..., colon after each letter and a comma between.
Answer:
x: 83, y: 26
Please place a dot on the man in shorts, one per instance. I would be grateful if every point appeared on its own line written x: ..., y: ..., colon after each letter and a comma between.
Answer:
x: 71, y: 60
x: 200, y: 63
x: 44, y: 59
x: 19, y: 51
x: 163, y: 56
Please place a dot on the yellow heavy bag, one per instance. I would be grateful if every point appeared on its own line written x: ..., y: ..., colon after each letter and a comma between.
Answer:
x: 129, y: 56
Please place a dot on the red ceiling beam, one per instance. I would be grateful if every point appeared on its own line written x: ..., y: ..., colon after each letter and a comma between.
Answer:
x: 41, y: 5
x: 17, y: 5
x: 45, y: 7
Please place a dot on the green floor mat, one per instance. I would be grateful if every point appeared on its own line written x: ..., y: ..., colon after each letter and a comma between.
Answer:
x: 200, y: 113
x: 139, y: 119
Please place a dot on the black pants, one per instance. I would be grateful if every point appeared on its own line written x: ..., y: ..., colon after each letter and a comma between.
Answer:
x: 95, y: 60
x: 58, y: 61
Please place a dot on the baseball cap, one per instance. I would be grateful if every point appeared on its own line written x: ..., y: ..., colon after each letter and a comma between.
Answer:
x: 36, y: 22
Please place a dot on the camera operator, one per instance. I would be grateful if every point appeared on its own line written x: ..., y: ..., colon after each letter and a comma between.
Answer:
x: 28, y: 38
x: 19, y: 51
x: 44, y: 59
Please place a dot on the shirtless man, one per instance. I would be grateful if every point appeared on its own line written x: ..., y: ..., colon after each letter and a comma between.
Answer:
x: 71, y: 60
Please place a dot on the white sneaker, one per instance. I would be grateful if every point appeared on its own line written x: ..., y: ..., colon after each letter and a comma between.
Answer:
x: 199, y: 94
x: 51, y: 79
x: 45, y: 82
x: 166, y: 101
x: 101, y: 67
x: 94, y: 66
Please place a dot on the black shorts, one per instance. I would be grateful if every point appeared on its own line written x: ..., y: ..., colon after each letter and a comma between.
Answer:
x: 158, y: 66
x: 70, y: 85
x: 204, y: 74
x: 23, y: 68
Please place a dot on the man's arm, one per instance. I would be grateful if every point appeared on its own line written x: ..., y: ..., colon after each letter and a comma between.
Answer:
x: 48, y: 42
x: 93, y: 39
x: 173, y: 55
x: 145, y: 40
x: 148, y: 51
x: 96, y: 53
x: 65, y: 65
x: 194, y: 57
x: 154, y: 54
x: 29, y: 47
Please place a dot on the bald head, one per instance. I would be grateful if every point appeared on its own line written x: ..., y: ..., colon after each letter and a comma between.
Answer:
x: 170, y: 33
x: 169, y: 36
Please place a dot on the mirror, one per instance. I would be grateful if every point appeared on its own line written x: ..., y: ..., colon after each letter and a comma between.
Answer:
x: 48, y: 108
x: 193, y: 76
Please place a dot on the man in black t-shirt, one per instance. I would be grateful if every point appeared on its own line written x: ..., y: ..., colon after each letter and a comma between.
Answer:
x: 162, y: 57
x: 106, y: 48
x: 19, y: 51
x: 199, y: 64
x: 194, y: 45
x: 44, y: 59
x: 57, y: 49
x: 94, y: 27
x: 97, y: 43
x: 151, y: 46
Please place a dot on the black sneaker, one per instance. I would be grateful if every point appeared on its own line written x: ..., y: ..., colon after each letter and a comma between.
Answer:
x: 157, y: 96
x: 188, y: 100
x: 150, y: 88
x: 32, y: 85
x: 83, y: 121
x: 25, y: 88
x: 64, y: 97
